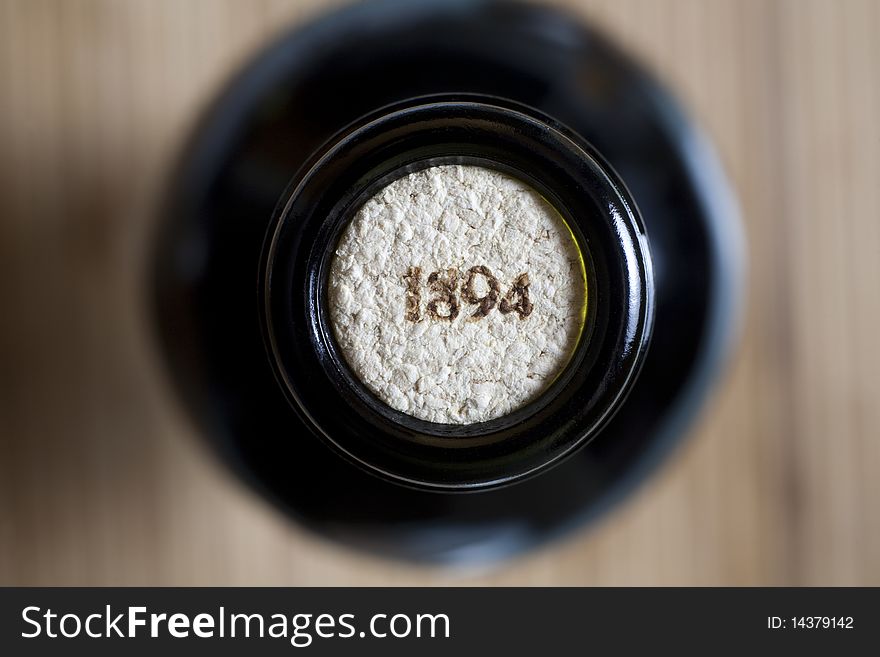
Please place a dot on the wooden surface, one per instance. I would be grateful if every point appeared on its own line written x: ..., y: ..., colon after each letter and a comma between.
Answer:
x: 101, y: 478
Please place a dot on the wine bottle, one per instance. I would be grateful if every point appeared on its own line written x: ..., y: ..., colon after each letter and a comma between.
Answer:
x: 444, y: 280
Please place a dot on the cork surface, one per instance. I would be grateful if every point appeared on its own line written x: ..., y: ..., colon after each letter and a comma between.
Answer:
x: 457, y: 294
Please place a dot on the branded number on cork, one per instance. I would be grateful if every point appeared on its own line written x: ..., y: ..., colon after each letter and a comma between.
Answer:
x: 444, y: 302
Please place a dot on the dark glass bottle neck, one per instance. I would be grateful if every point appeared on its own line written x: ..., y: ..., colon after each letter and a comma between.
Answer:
x: 398, y: 140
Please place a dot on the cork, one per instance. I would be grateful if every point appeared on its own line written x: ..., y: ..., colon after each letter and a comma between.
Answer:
x: 457, y: 294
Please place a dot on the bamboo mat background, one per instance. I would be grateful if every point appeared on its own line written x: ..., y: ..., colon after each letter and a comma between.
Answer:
x: 101, y: 478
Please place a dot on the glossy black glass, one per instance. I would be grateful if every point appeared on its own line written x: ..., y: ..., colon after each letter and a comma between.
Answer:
x: 365, y: 158
x: 316, y: 85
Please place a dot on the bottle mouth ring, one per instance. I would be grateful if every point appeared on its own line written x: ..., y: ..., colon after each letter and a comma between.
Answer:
x: 405, y: 138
